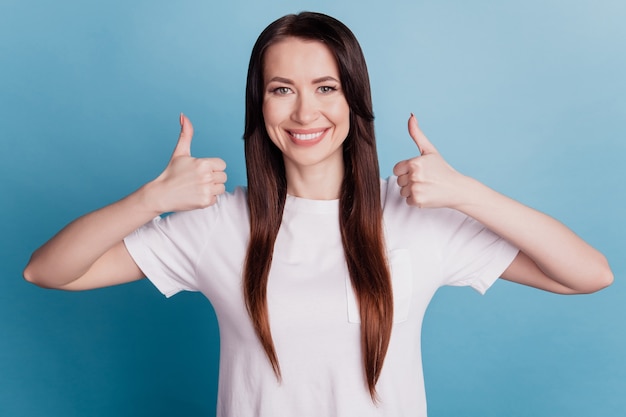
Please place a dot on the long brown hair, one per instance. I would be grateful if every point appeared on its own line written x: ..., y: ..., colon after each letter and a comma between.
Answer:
x: 360, y: 204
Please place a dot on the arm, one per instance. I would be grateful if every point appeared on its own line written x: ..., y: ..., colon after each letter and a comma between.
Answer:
x: 90, y: 252
x: 551, y: 257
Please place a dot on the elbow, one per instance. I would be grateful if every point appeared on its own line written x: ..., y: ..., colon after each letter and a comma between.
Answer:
x: 28, y: 275
x: 602, y: 278
x: 605, y: 279
x: 31, y: 275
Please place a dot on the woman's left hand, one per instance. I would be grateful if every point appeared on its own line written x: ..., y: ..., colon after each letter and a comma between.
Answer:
x: 551, y: 256
x: 427, y: 181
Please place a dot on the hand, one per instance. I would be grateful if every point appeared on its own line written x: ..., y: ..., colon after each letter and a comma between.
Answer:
x: 428, y: 180
x: 188, y: 183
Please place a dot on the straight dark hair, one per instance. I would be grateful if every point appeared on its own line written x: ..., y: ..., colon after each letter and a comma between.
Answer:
x: 360, y: 203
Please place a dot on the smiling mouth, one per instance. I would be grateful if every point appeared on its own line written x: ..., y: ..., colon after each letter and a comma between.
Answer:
x: 307, y: 136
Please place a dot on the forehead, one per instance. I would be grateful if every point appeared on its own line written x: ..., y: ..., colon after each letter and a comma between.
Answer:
x: 299, y: 59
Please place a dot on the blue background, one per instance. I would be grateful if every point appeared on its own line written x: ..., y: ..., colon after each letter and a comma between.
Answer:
x: 528, y: 96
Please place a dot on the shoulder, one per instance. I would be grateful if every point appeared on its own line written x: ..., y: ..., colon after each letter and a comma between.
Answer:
x: 394, y: 204
x: 236, y: 200
x: 230, y: 205
x: 399, y: 217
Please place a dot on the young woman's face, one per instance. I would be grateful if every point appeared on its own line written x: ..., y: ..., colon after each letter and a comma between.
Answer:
x: 305, y: 111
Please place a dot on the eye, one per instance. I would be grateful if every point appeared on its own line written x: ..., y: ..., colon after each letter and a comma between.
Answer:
x: 327, y: 89
x: 281, y: 91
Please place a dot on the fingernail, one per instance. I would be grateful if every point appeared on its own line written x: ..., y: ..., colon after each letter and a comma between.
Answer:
x: 181, y: 119
x: 412, y: 115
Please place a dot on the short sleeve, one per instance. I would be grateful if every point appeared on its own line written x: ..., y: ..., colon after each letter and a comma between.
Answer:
x: 447, y: 246
x: 167, y: 248
x: 473, y: 255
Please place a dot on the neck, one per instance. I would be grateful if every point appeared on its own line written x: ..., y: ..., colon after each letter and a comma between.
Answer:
x: 315, y: 182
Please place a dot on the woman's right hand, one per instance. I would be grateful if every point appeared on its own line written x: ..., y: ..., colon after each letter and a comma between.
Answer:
x: 187, y: 183
x: 90, y: 252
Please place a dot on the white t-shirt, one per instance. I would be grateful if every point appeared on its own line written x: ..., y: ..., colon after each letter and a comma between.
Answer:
x: 313, y: 312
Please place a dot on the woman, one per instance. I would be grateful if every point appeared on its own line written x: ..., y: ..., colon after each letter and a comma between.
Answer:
x: 319, y: 273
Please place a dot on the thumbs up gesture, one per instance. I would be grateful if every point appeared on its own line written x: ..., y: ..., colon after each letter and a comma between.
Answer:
x: 188, y: 183
x: 428, y: 180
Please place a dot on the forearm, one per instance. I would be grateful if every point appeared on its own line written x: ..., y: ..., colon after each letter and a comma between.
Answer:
x: 556, y: 250
x: 72, y: 251
x: 89, y: 253
x: 553, y: 257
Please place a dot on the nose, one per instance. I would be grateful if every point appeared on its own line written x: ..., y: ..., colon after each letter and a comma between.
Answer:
x: 306, y: 109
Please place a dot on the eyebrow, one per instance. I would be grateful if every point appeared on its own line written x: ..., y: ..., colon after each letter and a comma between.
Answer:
x: 315, y: 81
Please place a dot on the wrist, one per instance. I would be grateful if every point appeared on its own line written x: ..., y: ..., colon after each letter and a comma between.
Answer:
x: 470, y: 193
x: 147, y: 200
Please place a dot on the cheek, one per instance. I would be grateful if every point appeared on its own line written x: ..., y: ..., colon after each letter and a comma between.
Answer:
x: 266, y: 112
x: 273, y: 113
x: 270, y: 121
x: 341, y: 115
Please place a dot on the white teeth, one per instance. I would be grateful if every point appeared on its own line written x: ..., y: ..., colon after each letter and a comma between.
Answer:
x: 308, y: 136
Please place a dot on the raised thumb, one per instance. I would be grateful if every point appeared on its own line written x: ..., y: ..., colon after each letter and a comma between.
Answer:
x: 420, y: 139
x: 183, y: 146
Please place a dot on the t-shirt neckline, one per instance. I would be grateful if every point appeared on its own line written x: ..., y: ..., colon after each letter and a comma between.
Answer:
x: 312, y: 206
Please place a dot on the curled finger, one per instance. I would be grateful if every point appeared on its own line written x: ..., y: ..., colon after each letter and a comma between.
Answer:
x: 403, y: 180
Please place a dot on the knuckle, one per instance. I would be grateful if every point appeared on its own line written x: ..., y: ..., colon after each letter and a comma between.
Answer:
x: 217, y: 164
x: 205, y: 165
x: 219, y: 177
x: 220, y: 189
x: 207, y: 177
x: 206, y: 200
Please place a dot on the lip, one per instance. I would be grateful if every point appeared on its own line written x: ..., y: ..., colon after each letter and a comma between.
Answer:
x: 307, y: 137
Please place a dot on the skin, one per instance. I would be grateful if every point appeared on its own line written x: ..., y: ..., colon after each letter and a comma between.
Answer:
x: 551, y: 257
x: 303, y: 97
x: 90, y: 252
